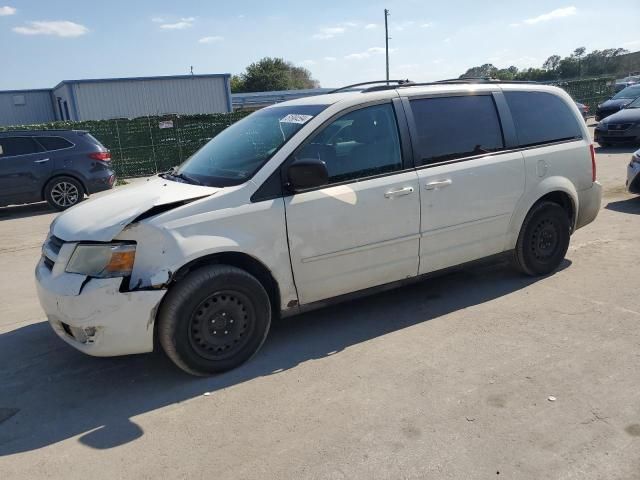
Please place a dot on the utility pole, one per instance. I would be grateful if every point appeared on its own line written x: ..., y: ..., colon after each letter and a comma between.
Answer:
x: 386, y: 40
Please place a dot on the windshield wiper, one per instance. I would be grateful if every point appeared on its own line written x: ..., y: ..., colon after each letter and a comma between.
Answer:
x: 173, y: 172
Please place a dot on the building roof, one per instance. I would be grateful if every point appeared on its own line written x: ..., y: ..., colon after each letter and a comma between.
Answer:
x: 118, y: 79
x: 27, y: 90
x: 133, y: 79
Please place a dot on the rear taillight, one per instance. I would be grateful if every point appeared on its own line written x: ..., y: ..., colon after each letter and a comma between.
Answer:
x: 102, y: 156
x: 593, y: 163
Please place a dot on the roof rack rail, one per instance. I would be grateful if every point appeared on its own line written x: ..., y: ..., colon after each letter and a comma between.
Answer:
x: 362, y: 84
x: 481, y: 80
x: 408, y: 83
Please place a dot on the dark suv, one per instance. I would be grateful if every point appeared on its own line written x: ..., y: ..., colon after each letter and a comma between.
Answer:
x: 59, y: 166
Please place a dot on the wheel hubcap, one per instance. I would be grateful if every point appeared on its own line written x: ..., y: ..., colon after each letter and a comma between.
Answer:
x: 545, y: 240
x: 221, y: 325
x: 65, y: 194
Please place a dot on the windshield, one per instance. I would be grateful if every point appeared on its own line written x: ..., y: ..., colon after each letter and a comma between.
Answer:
x: 235, y: 154
x: 629, y: 92
x: 634, y: 104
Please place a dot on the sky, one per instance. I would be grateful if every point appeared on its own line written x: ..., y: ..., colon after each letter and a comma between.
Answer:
x: 340, y: 41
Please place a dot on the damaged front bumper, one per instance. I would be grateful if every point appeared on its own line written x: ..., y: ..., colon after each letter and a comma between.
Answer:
x: 93, y: 315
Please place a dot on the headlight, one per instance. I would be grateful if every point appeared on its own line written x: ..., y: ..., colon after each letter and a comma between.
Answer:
x: 103, y: 261
x: 635, y: 158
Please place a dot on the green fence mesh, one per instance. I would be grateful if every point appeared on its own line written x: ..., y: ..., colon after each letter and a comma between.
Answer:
x: 590, y: 91
x: 147, y: 145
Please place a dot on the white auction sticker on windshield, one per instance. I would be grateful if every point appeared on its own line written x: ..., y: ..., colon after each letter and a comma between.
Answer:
x: 296, y: 118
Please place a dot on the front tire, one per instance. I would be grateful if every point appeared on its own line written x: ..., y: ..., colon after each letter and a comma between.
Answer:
x: 214, y: 319
x: 543, y: 240
x: 63, y: 192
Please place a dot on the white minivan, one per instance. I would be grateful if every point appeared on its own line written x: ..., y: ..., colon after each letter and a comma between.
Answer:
x: 315, y: 199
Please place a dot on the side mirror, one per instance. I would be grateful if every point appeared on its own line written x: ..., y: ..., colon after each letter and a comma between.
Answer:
x: 307, y: 173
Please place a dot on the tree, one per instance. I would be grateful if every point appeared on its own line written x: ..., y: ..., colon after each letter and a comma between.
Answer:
x: 237, y: 84
x: 552, y: 62
x: 579, y: 52
x: 484, y: 71
x: 569, y: 67
x: 576, y: 65
x: 271, y: 74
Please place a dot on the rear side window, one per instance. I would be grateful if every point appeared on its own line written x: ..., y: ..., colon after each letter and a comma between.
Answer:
x: 541, y: 118
x: 456, y: 127
x: 54, y: 143
x: 18, y: 146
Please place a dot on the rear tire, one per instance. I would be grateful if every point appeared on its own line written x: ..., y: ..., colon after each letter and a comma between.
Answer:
x: 214, y: 319
x: 63, y: 192
x: 543, y: 240
x: 604, y: 144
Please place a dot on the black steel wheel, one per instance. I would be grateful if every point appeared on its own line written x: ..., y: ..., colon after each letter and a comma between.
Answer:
x: 221, y: 325
x: 214, y: 319
x: 543, y: 240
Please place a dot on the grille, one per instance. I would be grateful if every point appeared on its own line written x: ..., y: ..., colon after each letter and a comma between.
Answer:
x: 618, y: 126
x: 54, y: 243
x: 48, y: 263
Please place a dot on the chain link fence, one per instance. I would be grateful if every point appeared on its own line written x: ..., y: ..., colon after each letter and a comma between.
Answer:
x: 589, y: 91
x: 147, y: 145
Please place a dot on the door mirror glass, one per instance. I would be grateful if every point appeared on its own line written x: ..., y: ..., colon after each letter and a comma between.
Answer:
x: 307, y: 173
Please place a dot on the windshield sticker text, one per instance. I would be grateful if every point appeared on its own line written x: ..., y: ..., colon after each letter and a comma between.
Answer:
x: 296, y: 118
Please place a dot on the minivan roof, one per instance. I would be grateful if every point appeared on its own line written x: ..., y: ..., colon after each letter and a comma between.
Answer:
x: 416, y: 89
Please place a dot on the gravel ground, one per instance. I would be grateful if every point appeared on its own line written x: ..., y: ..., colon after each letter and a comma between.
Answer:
x: 448, y: 378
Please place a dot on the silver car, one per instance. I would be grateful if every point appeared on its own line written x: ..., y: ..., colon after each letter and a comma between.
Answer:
x: 633, y: 173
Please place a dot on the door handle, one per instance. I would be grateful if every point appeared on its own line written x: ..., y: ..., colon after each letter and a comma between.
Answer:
x: 44, y: 160
x: 398, y: 193
x: 439, y: 184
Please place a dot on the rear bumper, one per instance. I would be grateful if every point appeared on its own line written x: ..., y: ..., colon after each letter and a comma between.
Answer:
x: 589, y: 204
x: 105, y: 181
x: 94, y: 316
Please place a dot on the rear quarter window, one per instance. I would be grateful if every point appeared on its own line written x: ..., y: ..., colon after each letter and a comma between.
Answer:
x: 541, y: 117
x: 54, y: 143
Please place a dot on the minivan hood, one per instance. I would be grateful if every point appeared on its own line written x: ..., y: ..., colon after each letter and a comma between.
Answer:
x: 101, y: 218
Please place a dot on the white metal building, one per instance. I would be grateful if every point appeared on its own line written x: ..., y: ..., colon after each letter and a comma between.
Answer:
x: 101, y: 99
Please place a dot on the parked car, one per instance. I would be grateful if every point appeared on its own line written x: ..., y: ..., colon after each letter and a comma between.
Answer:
x: 633, y: 173
x: 618, y: 101
x: 626, y: 82
x: 584, y: 110
x: 59, y: 166
x: 621, y: 127
x: 313, y: 200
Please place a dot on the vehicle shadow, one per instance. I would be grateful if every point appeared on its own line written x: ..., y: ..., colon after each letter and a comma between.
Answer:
x: 619, y: 148
x: 49, y: 392
x: 25, y: 211
x: 629, y: 205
